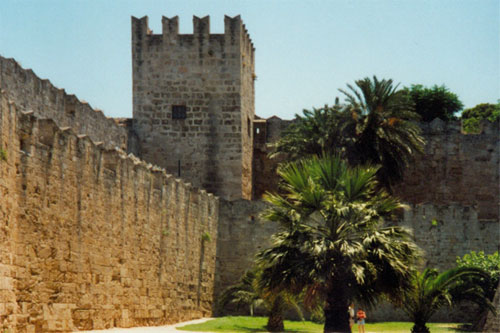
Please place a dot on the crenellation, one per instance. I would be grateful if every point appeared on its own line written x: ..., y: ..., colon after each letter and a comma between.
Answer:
x: 118, y: 222
x: 201, y: 28
x: 170, y: 29
x: 88, y: 210
x: 48, y: 101
x: 191, y: 107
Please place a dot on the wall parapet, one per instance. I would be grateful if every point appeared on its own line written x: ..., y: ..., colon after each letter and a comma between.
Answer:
x: 30, y: 92
x: 93, y: 237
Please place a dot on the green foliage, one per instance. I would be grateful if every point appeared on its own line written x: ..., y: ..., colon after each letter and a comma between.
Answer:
x: 471, y: 118
x: 314, y: 133
x: 376, y: 126
x: 434, y: 102
x: 3, y: 154
x: 489, y: 263
x: 333, y: 246
x: 382, y: 128
x: 205, y: 237
x: 432, y: 290
x: 485, y: 285
x: 247, y: 292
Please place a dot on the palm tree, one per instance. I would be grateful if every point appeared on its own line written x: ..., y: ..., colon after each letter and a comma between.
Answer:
x: 431, y: 290
x: 376, y: 126
x: 243, y: 293
x: 314, y: 133
x: 333, y: 245
x: 248, y: 293
x: 382, y: 127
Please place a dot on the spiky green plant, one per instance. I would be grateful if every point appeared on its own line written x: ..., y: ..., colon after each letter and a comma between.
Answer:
x: 376, y: 125
x: 383, y: 128
x: 247, y: 292
x: 334, y: 246
x: 432, y: 290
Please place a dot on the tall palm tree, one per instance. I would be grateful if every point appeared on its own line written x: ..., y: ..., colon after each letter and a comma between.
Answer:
x: 376, y: 125
x: 333, y: 244
x: 382, y: 127
x: 432, y: 290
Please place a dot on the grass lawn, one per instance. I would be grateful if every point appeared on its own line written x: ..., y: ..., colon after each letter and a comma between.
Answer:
x: 257, y: 324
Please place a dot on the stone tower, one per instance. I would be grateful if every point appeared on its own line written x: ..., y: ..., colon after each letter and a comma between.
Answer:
x: 193, y: 102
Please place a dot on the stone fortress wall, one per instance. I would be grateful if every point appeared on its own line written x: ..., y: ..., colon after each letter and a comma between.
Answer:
x: 456, y: 168
x: 193, y: 102
x: 30, y: 92
x: 92, y: 238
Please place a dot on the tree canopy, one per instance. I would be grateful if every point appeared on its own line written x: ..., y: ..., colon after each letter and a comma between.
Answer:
x: 376, y: 125
x: 434, y: 102
x: 333, y: 245
x: 472, y: 117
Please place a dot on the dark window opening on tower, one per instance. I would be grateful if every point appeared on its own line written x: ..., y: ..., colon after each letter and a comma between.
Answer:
x: 179, y: 112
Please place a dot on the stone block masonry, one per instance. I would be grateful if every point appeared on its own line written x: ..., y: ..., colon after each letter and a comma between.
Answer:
x: 91, y: 238
x: 29, y: 92
x: 446, y: 232
x: 193, y: 103
x: 457, y: 168
x: 241, y: 235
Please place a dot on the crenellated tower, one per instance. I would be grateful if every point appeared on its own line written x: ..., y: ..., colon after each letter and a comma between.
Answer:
x: 193, y: 102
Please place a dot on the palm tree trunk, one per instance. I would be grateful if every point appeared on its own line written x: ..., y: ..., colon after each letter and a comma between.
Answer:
x: 420, y: 327
x: 275, y: 320
x: 337, y: 311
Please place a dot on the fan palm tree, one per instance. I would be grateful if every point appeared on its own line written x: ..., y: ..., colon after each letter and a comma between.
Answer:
x: 382, y: 127
x: 333, y: 245
x: 430, y: 291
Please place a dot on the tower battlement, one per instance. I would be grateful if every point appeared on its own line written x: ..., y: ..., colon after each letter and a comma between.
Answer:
x: 193, y: 102
x: 235, y: 34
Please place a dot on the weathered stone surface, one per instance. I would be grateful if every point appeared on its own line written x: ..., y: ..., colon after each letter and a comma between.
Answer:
x: 29, y: 92
x: 241, y: 235
x: 212, y: 77
x: 457, y: 168
x: 91, y: 238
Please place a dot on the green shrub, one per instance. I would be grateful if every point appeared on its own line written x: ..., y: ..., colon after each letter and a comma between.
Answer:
x: 3, y: 155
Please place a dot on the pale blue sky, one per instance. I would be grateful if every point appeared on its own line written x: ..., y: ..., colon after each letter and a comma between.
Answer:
x: 305, y: 50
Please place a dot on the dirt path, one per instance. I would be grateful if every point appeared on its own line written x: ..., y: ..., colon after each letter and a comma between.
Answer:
x: 155, y: 329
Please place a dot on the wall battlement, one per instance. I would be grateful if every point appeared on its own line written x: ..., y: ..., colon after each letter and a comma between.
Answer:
x: 93, y: 238
x: 47, y: 101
